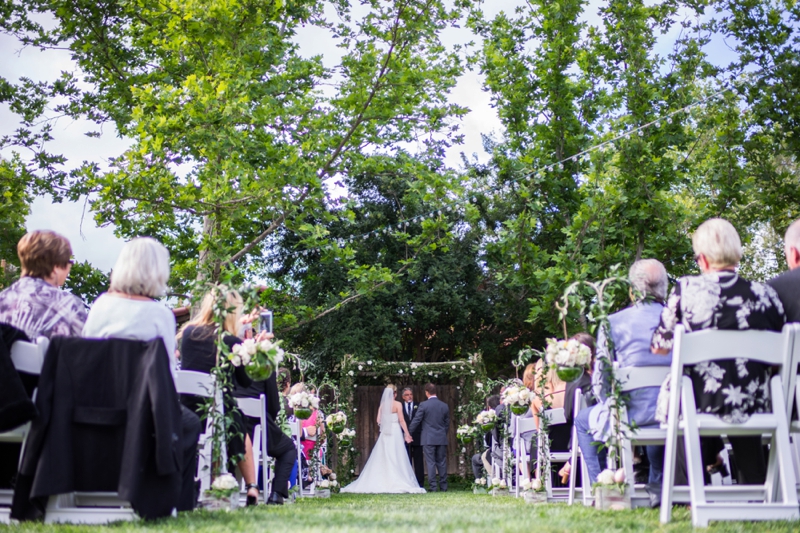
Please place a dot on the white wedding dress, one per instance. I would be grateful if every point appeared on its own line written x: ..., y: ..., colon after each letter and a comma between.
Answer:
x: 388, y: 469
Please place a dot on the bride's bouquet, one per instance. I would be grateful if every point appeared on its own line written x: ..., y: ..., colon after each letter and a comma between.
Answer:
x: 486, y: 420
x: 570, y: 356
x: 517, y: 398
x: 302, y: 403
x: 260, y: 359
x: 337, y: 421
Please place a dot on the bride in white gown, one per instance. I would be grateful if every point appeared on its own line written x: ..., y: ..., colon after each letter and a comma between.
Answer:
x: 388, y: 469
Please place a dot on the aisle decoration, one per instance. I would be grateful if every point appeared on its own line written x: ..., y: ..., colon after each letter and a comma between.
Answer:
x: 570, y: 358
x: 259, y: 359
x: 499, y: 487
x: 467, y: 433
x: 479, y: 486
x: 517, y: 398
x: 533, y: 491
x: 223, y: 494
x: 486, y: 420
x: 336, y: 422
x: 346, y: 437
x: 609, y: 491
x: 303, y: 403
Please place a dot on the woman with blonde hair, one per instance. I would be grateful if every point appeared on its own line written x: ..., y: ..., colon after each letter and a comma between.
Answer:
x: 199, y: 352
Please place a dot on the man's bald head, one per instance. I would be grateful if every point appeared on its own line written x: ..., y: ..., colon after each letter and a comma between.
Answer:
x: 791, y: 245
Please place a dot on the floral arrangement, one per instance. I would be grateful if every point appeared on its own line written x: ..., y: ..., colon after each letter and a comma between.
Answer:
x: 346, y: 436
x: 336, y: 421
x: 498, y: 484
x: 466, y: 433
x: 260, y: 359
x: 611, y: 479
x: 302, y: 403
x: 532, y: 485
x: 223, y: 486
x: 569, y: 356
x: 480, y: 483
x: 486, y: 419
x: 517, y: 398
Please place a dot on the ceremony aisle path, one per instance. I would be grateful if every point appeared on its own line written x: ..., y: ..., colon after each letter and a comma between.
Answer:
x: 449, y: 512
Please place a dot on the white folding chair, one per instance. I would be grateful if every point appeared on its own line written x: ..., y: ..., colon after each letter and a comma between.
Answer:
x: 792, y: 392
x: 297, y: 434
x: 633, y: 378
x: 257, y: 408
x: 576, y: 456
x: 203, y: 385
x: 555, y: 417
x: 28, y: 358
x: 521, y: 457
x: 762, y: 346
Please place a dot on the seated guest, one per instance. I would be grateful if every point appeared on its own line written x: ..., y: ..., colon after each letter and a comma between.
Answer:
x: 719, y: 299
x: 787, y: 285
x: 198, y: 351
x: 631, y: 331
x: 128, y: 311
x: 35, y: 304
x: 482, y: 461
x: 554, y: 389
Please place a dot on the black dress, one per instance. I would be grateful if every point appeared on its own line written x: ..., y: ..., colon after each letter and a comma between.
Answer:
x: 199, y: 353
x: 732, y: 389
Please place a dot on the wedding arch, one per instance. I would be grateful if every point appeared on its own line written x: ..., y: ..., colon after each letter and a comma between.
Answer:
x: 466, y: 377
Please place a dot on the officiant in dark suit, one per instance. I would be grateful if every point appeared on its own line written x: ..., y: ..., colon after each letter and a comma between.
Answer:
x: 415, y: 448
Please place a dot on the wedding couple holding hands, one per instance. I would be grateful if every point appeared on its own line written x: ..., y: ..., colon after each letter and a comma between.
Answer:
x: 388, y: 469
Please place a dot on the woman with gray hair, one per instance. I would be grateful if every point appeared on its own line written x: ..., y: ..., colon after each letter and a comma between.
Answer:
x: 128, y: 310
x: 719, y: 299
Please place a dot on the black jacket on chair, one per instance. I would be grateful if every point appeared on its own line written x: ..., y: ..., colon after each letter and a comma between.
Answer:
x: 109, y: 420
x: 16, y: 407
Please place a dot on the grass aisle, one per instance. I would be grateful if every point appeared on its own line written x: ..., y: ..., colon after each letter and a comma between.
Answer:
x: 452, y: 511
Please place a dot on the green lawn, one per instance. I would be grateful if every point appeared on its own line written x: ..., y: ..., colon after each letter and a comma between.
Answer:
x: 452, y: 511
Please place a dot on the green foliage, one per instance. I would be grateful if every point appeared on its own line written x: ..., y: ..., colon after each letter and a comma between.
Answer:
x: 86, y: 282
x: 14, y: 208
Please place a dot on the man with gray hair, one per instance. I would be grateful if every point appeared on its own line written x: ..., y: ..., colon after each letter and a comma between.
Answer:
x: 787, y: 285
x: 631, y: 332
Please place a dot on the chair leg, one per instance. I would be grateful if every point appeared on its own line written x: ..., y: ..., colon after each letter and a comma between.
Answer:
x: 788, y: 482
x: 694, y: 459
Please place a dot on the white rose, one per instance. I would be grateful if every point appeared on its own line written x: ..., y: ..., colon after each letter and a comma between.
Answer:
x: 369, y: 362
x: 479, y: 384
x: 454, y: 367
x: 495, y: 481
x: 536, y: 484
x: 350, y: 373
x: 225, y: 482
x: 245, y: 359
x: 606, y: 477
x: 334, y: 483
x: 324, y: 484
x: 304, y: 402
x: 315, y: 402
x: 360, y: 367
x: 619, y: 476
x: 526, y: 485
x: 400, y: 371
x: 502, y: 483
x: 236, y: 360
x: 332, y: 477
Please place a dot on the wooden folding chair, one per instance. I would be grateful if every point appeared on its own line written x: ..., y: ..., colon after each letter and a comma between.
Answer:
x: 27, y: 358
x: 203, y: 385
x: 257, y: 408
x: 730, y: 502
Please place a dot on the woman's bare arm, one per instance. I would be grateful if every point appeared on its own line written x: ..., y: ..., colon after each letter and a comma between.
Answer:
x: 398, y: 409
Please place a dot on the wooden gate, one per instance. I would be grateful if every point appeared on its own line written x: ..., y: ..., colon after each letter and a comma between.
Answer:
x: 367, y: 401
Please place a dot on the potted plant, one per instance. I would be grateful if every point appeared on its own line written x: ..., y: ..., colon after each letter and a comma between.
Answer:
x: 479, y: 486
x: 223, y: 494
x: 323, y: 489
x: 486, y: 420
x: 517, y: 398
x: 609, y: 491
x: 533, y: 491
x: 569, y: 356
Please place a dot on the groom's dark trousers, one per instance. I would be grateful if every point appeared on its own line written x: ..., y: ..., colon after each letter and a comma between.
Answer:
x: 436, y: 459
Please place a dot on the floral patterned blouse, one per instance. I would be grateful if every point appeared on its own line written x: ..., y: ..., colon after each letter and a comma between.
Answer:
x: 38, y: 308
x: 732, y: 389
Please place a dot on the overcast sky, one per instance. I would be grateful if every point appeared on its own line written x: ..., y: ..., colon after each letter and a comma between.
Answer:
x: 99, y: 245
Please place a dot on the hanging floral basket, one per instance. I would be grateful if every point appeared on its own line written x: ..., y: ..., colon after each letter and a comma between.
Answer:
x: 303, y: 413
x: 569, y: 373
x: 259, y: 372
x: 518, y: 409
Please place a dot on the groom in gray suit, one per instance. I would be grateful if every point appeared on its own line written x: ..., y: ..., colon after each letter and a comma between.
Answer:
x: 434, y: 416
